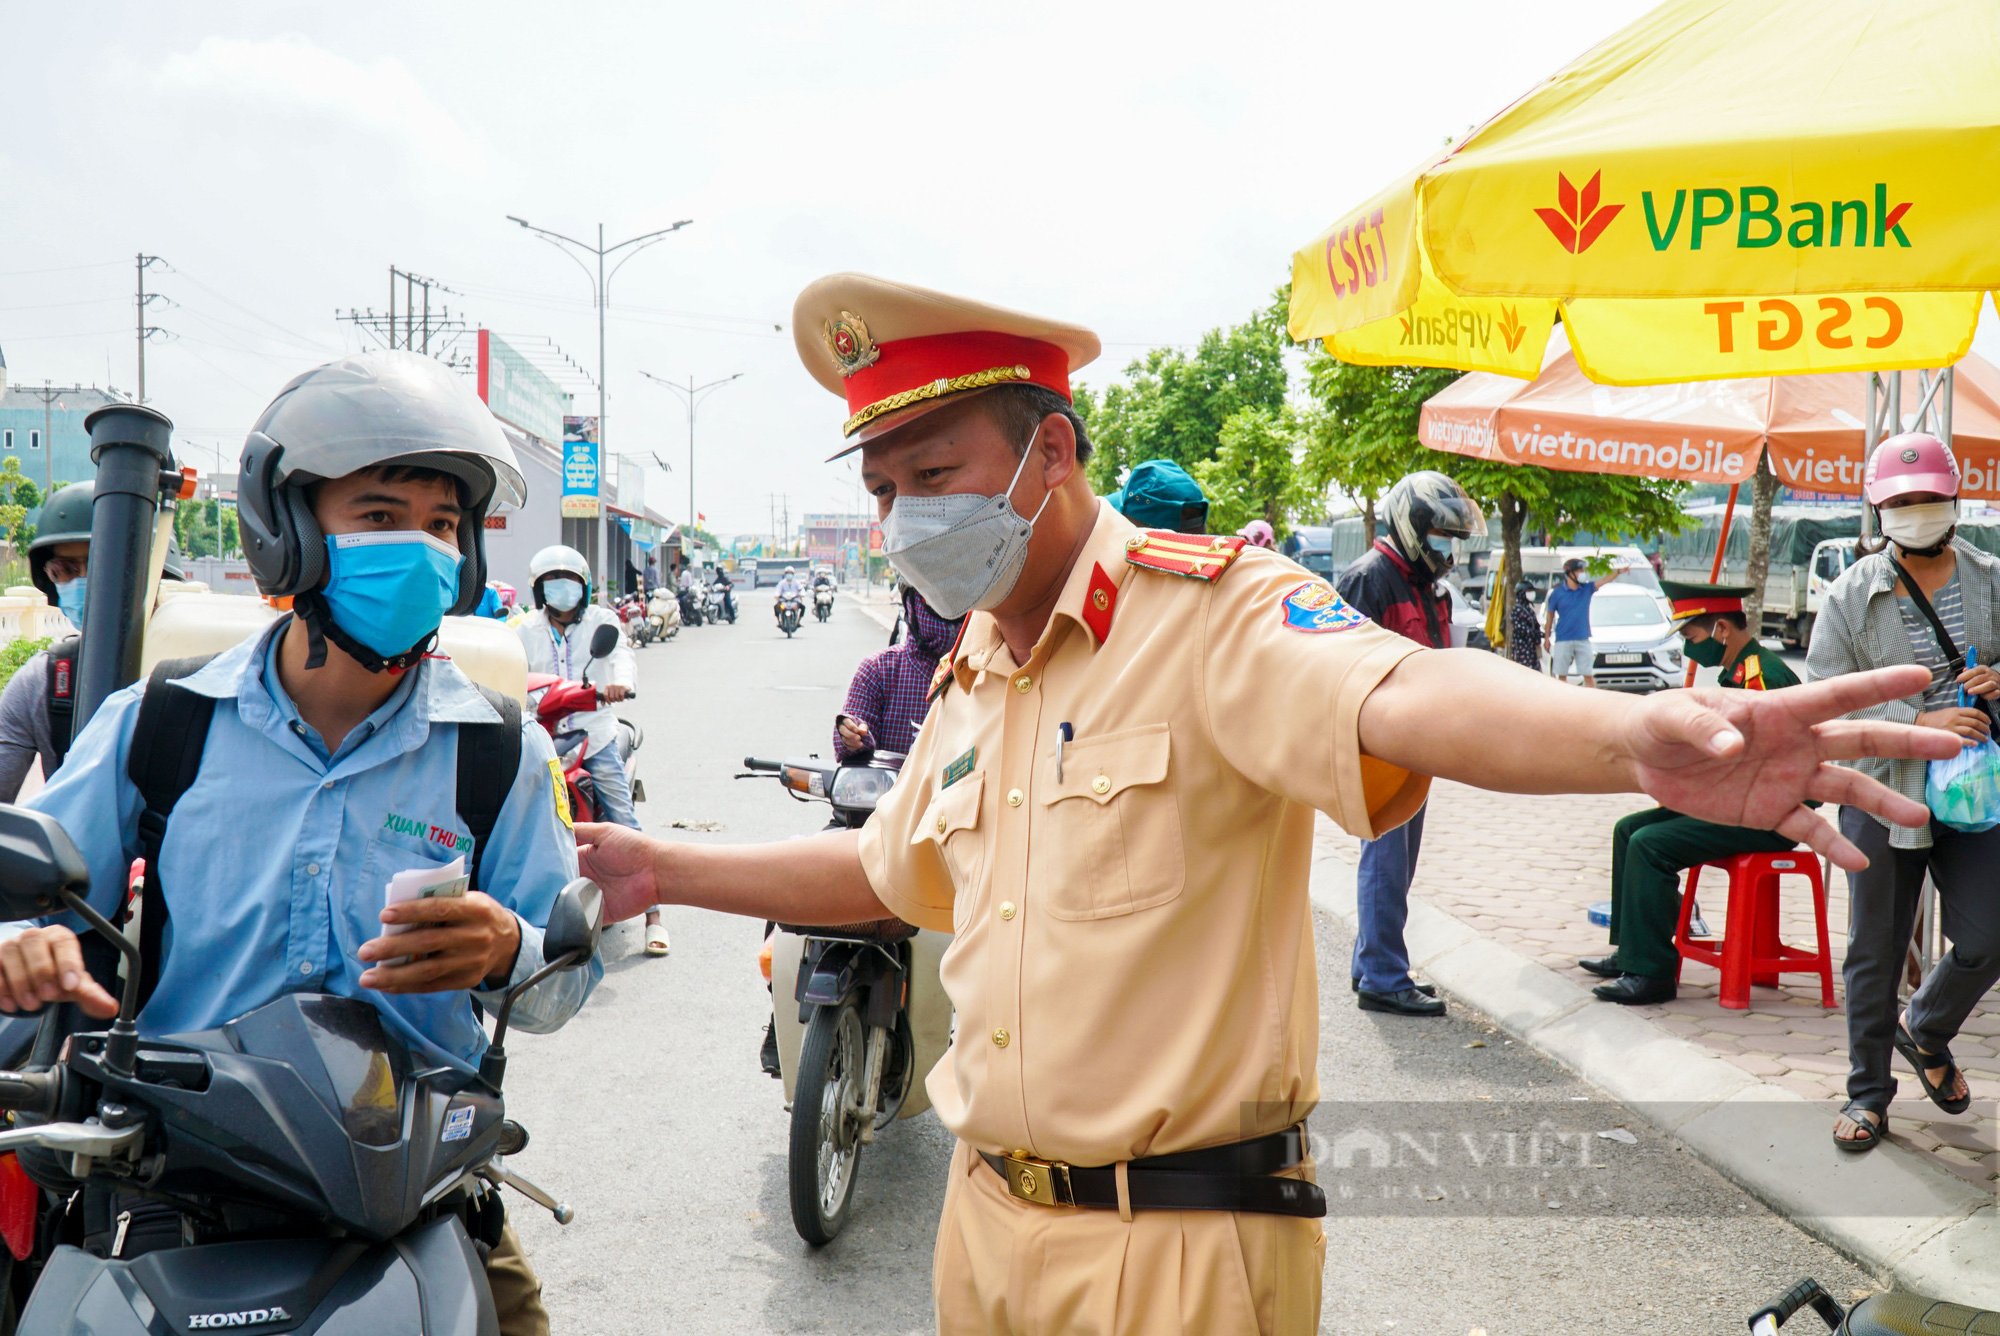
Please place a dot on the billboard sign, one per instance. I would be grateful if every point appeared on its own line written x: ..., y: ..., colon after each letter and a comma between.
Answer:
x: 580, y: 473
x: 517, y: 391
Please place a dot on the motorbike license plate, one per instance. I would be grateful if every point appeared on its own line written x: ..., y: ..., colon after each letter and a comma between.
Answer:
x: 1610, y: 659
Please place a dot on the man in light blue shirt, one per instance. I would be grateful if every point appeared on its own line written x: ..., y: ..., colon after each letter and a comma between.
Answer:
x: 330, y: 761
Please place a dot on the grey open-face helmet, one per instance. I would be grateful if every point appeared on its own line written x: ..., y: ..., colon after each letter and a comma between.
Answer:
x: 370, y: 409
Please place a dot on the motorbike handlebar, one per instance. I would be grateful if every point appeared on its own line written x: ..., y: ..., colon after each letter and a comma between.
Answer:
x: 29, y: 1092
x: 1808, y: 1291
x: 752, y: 763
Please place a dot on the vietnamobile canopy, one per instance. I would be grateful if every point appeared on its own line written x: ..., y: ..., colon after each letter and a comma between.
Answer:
x: 1699, y: 431
x: 1725, y: 188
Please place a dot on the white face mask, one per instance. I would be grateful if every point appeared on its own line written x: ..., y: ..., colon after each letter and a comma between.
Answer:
x: 1916, y: 528
x: 562, y: 595
x: 961, y: 551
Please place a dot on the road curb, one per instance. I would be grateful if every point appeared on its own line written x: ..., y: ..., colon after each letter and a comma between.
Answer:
x: 1893, y: 1210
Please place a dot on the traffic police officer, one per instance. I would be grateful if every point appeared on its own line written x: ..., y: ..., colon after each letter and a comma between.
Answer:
x: 1650, y: 849
x: 1111, y: 806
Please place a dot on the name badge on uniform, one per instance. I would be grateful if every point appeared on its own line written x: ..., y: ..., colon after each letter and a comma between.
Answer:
x: 960, y: 768
x: 1315, y: 607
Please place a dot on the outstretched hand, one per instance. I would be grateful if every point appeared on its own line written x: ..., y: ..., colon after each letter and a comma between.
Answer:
x: 1752, y: 758
x: 620, y: 860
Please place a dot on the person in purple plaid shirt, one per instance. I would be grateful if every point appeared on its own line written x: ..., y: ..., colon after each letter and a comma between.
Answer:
x: 890, y: 692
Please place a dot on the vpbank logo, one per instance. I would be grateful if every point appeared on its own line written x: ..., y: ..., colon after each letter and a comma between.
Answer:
x: 1578, y: 220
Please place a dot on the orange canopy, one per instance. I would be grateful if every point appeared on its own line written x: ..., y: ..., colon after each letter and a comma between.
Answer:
x: 1705, y: 430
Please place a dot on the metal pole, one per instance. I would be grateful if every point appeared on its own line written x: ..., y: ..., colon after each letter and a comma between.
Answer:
x: 48, y: 429
x: 142, y: 336
x: 603, y: 435
x: 691, y: 514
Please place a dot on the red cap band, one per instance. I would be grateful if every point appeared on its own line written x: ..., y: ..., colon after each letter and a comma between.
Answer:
x: 909, y: 371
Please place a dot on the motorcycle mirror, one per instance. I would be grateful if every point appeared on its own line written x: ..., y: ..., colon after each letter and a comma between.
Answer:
x: 575, y: 923
x: 38, y: 863
x: 603, y: 641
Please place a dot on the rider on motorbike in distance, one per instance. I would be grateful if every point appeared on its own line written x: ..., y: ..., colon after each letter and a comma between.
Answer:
x: 556, y: 637
x: 330, y: 760
x: 788, y: 587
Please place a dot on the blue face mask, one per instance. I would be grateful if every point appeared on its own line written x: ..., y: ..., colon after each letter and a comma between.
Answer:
x: 562, y: 595
x: 69, y: 597
x: 390, y: 590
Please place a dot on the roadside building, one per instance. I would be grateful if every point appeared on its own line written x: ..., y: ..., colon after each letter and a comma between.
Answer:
x: 42, y: 426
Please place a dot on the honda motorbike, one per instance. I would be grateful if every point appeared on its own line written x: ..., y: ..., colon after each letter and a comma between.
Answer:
x: 296, y: 1169
x: 791, y: 612
x: 721, y: 603
x: 691, y: 606
x: 631, y: 610
x: 823, y: 601
x: 555, y: 700
x: 663, y: 612
x: 859, y: 1012
x: 1894, y: 1314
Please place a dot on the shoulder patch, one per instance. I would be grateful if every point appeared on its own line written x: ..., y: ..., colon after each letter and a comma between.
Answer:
x: 942, y: 677
x: 1314, y: 607
x: 1195, y: 556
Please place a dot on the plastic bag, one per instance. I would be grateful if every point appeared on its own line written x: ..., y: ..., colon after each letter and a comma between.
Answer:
x: 1964, y: 791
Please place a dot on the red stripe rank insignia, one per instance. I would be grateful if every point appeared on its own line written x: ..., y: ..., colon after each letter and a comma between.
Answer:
x: 1314, y: 607
x: 1196, y: 556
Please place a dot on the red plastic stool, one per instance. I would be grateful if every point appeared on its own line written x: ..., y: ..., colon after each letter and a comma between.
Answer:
x: 1750, y: 951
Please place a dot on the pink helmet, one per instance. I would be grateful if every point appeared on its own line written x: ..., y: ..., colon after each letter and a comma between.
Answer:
x: 1912, y: 462
x: 1258, y: 533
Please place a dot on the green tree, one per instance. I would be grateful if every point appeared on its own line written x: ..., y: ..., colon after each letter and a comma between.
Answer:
x: 28, y: 494
x: 195, y: 529
x: 13, y: 508
x: 1254, y: 476
x: 1173, y: 404
x: 1362, y: 432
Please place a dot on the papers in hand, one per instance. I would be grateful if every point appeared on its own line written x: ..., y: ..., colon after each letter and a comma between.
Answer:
x: 422, y: 883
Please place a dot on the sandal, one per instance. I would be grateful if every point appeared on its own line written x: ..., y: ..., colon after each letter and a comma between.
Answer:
x: 1871, y: 1132
x: 657, y: 943
x: 1921, y: 1060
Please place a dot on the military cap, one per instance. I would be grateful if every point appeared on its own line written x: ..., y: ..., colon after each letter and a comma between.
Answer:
x: 895, y: 352
x: 1699, y: 600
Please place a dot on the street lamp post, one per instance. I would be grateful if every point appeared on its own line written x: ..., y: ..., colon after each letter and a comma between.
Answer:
x: 600, y: 291
x: 693, y: 394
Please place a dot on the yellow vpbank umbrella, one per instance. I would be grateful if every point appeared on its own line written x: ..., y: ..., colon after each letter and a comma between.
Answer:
x: 1725, y: 188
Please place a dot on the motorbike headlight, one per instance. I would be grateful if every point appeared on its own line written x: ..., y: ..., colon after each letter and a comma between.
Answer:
x: 861, y: 786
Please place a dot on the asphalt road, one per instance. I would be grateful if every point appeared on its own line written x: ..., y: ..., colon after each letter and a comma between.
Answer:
x: 651, y: 1118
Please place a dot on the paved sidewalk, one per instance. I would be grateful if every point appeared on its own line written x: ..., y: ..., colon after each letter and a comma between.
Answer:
x: 1520, y: 873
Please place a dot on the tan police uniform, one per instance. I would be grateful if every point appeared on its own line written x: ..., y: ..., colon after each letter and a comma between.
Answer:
x: 1132, y: 965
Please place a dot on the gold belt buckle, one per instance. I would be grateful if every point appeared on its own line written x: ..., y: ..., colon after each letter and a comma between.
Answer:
x: 1044, y: 1182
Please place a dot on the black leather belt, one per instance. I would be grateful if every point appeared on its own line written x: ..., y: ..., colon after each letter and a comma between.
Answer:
x: 1237, y: 1177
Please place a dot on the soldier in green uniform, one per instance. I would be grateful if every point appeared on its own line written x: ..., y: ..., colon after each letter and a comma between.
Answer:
x: 1650, y: 849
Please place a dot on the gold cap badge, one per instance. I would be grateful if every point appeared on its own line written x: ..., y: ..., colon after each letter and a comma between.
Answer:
x: 847, y: 339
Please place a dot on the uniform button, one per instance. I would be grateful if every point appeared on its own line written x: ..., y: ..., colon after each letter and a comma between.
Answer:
x: 1013, y: 797
x: 1100, y: 785
x: 312, y: 869
x: 1000, y: 1038
x: 1022, y: 683
x: 1006, y: 909
x: 305, y: 967
x: 940, y: 825
x: 327, y: 785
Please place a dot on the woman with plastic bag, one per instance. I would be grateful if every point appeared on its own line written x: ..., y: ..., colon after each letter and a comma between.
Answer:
x: 1929, y: 598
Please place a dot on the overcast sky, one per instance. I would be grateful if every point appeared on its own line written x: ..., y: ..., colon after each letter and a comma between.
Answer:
x: 1144, y: 169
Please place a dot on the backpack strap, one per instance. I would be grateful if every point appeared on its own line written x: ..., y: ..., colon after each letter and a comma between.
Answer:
x: 167, y: 744
x: 489, y: 757
x: 61, y: 696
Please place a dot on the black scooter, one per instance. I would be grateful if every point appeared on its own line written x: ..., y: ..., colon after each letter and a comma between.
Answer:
x: 296, y: 1169
x: 1895, y: 1314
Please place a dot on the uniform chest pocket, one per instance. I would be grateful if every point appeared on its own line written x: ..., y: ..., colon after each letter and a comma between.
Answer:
x: 1109, y: 838
x: 951, y: 823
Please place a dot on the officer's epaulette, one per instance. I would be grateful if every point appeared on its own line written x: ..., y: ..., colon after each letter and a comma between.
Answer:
x: 1196, y: 556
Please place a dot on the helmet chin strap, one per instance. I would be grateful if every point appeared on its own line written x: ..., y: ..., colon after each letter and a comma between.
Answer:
x: 313, y: 612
